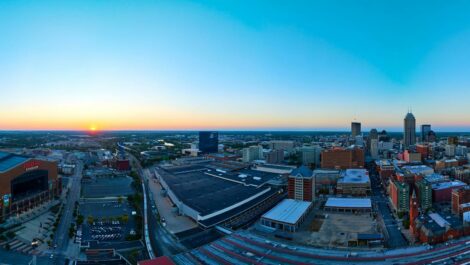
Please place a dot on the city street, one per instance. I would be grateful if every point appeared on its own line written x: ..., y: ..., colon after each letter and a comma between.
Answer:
x: 61, y: 240
x: 161, y: 240
x: 396, y: 239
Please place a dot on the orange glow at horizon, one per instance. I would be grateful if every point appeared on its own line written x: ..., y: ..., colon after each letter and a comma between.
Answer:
x: 171, y: 118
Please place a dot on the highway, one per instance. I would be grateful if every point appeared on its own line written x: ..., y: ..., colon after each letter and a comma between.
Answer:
x: 241, y: 242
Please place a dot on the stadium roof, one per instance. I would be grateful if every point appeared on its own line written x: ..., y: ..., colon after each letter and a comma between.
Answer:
x: 288, y: 211
x: 207, y: 190
x: 349, y: 203
x: 8, y: 161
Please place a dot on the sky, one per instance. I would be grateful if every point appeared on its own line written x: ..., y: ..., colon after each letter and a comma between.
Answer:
x: 233, y: 65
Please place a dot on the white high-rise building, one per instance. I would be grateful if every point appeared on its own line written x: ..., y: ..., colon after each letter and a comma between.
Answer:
x: 252, y: 153
x: 461, y: 150
x: 311, y: 155
x: 374, y: 148
x: 450, y: 150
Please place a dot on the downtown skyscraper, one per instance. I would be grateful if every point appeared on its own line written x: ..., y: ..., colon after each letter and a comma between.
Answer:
x: 409, y: 137
x: 355, y: 129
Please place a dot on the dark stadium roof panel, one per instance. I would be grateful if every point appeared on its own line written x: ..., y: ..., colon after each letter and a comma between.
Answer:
x: 8, y: 161
x: 3, y: 154
x: 205, y: 193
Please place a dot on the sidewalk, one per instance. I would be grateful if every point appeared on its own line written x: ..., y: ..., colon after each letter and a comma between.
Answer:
x: 174, y: 223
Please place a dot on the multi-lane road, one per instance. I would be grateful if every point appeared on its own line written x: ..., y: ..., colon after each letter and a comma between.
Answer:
x: 162, y: 242
x: 61, y: 239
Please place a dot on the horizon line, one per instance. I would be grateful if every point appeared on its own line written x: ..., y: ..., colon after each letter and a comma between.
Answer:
x: 216, y: 130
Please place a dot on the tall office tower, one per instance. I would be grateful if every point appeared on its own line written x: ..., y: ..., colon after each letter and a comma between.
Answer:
x: 355, y: 129
x: 425, y: 129
x: 431, y: 136
x: 409, y: 136
x: 373, y: 134
x: 208, y: 142
x: 374, y: 148
x: 383, y: 136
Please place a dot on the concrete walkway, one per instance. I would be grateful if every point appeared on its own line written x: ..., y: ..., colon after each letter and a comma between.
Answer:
x: 174, y: 223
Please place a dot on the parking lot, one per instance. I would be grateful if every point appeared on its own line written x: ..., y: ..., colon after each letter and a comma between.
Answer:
x: 107, y: 187
x: 107, y: 231
x: 106, y: 220
x: 335, y: 229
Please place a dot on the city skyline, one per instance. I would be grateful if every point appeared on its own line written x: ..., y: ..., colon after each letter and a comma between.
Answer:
x: 214, y: 65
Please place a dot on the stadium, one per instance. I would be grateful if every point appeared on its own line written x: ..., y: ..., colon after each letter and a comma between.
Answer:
x: 211, y: 194
x: 26, y: 183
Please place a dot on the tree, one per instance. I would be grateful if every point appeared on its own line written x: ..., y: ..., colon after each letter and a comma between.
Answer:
x: 406, y: 224
x: 125, y: 218
x: 90, y: 220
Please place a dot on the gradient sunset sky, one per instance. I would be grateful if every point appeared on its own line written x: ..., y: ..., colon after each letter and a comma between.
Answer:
x: 303, y: 65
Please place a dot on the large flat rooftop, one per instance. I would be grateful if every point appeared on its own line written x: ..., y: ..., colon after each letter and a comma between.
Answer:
x: 354, y: 176
x: 419, y: 169
x: 207, y: 190
x: 288, y: 211
x: 349, y: 203
x: 447, y: 185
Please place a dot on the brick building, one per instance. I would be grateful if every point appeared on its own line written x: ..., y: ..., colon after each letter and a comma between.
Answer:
x: 343, y: 158
x: 442, y: 191
x: 385, y: 168
x: 435, y: 228
x: 300, y: 185
x: 460, y: 198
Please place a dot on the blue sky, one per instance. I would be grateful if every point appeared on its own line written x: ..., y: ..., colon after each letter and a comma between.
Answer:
x: 233, y: 64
